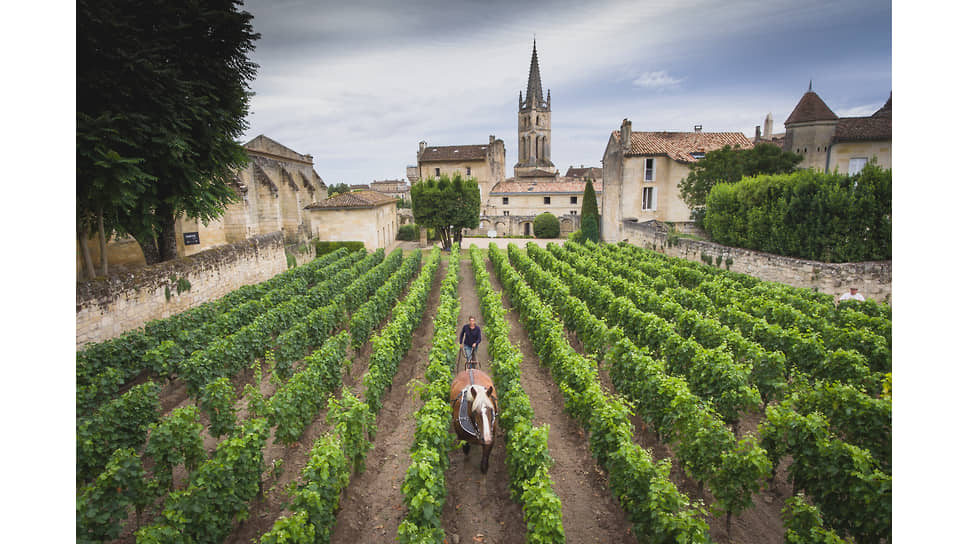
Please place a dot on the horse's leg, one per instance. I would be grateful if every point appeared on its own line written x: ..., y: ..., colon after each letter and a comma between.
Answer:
x: 485, y: 454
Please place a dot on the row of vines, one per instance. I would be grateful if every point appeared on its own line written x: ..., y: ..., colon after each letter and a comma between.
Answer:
x: 127, y: 452
x: 693, y: 349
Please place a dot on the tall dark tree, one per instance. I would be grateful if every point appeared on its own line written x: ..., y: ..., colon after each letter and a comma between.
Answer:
x: 589, y: 214
x: 730, y: 164
x: 162, y: 95
x: 446, y: 205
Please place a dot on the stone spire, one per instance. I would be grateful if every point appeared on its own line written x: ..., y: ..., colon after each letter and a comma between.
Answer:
x: 533, y: 98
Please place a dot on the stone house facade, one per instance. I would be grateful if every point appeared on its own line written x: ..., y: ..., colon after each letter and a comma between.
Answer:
x: 641, y: 173
x: 482, y: 162
x: 273, y: 190
x: 357, y: 216
x: 393, y: 188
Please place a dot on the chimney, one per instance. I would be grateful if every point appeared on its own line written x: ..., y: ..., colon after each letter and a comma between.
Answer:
x: 697, y: 128
x: 757, y: 138
x: 490, y: 139
x: 768, y: 127
x: 625, y: 138
x: 423, y: 145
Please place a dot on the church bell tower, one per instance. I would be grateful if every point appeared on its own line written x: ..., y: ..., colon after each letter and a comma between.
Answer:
x: 534, y: 125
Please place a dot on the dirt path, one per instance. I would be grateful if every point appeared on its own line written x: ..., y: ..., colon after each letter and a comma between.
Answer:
x: 589, y: 512
x: 372, y: 506
x: 479, y: 507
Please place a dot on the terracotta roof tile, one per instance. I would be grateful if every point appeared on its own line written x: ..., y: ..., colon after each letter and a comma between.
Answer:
x: 863, y: 128
x: 453, y: 153
x: 679, y: 146
x: 353, y: 199
x: 542, y: 187
x: 581, y: 172
x: 810, y: 108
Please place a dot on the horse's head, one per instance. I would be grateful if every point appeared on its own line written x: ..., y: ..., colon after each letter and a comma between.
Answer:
x: 482, y: 410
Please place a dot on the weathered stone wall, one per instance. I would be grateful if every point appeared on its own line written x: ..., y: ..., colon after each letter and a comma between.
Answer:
x: 108, y: 308
x: 514, y: 225
x: 873, y: 279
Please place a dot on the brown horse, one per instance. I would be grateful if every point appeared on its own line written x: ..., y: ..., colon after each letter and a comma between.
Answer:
x: 474, y: 403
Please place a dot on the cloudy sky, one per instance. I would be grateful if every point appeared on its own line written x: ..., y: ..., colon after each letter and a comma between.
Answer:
x: 359, y: 84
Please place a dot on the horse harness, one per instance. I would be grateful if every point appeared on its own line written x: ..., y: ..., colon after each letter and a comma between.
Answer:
x: 464, y: 418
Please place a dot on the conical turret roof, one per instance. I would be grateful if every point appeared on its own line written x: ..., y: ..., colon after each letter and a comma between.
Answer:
x: 810, y: 108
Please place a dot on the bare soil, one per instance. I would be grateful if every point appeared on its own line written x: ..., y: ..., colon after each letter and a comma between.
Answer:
x: 478, y: 507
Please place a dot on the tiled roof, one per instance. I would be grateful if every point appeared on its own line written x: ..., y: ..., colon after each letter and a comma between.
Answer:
x: 581, y: 172
x: 542, y: 187
x: 863, y: 128
x: 810, y: 108
x: 776, y: 140
x: 679, y: 146
x: 536, y: 173
x: 875, y: 127
x: 353, y: 199
x: 454, y: 153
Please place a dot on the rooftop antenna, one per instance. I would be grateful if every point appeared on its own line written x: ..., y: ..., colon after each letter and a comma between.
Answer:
x: 810, y: 88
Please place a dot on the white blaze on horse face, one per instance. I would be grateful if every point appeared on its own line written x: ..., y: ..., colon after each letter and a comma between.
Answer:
x: 485, y: 425
x: 481, y: 406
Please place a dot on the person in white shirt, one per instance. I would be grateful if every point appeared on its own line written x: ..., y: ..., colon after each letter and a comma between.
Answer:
x: 852, y: 295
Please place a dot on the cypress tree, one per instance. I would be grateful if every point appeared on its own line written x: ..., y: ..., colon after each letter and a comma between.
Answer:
x: 589, y: 214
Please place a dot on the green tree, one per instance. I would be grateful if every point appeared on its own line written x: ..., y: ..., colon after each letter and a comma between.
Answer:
x: 728, y: 165
x: 447, y: 205
x: 339, y: 188
x: 546, y: 226
x: 589, y: 214
x: 162, y: 94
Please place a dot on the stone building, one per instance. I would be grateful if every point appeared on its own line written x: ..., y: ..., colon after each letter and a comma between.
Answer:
x: 483, y: 162
x: 357, y: 216
x: 642, y: 170
x: 273, y: 190
x: 829, y: 143
x: 393, y: 188
x: 582, y: 173
x: 514, y: 204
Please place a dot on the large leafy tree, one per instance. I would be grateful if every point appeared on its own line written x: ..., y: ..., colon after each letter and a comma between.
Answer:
x: 589, y: 214
x: 447, y: 205
x: 730, y: 164
x: 162, y: 95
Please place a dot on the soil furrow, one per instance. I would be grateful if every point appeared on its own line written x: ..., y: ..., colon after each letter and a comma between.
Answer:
x: 478, y: 507
x: 372, y: 505
x: 589, y: 512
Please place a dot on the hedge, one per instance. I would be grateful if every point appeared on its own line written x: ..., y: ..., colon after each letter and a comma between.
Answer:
x: 806, y: 214
x: 323, y: 248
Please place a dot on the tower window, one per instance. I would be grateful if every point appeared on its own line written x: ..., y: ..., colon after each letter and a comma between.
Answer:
x: 504, y: 200
x: 437, y: 172
x: 574, y: 200
x: 468, y: 170
x: 507, y: 212
x: 547, y: 200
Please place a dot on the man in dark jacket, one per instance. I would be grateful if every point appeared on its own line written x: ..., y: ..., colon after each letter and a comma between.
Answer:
x: 469, y: 338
